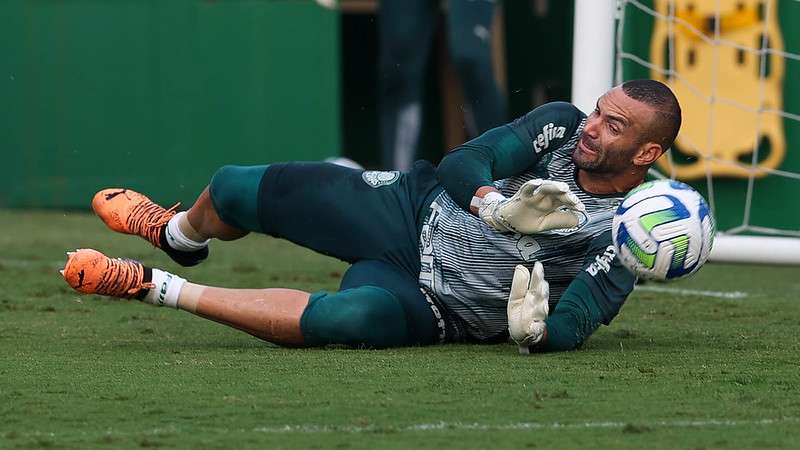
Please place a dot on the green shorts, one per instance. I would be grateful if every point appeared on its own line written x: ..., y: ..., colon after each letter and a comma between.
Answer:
x: 367, y: 218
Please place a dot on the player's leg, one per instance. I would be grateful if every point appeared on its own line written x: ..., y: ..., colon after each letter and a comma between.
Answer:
x: 362, y: 315
x: 129, y: 212
x: 341, y: 212
x: 469, y: 39
x: 271, y: 314
x: 184, y: 236
x: 202, y: 222
x: 345, y: 213
x: 378, y: 305
x: 406, y: 31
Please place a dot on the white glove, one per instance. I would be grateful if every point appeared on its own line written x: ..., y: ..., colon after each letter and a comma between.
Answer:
x: 527, y: 306
x: 539, y: 205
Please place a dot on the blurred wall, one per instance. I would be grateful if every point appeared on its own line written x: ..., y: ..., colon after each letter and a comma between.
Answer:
x: 359, y: 62
x: 538, y: 53
x: 156, y: 94
x: 538, y: 67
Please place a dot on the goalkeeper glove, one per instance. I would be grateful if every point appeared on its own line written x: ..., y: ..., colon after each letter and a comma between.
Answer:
x: 527, y: 306
x: 539, y: 205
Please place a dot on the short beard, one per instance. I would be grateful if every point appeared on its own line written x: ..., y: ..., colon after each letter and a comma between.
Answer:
x: 607, y: 163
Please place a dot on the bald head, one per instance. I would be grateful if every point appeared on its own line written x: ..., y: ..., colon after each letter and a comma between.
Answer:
x: 666, y: 122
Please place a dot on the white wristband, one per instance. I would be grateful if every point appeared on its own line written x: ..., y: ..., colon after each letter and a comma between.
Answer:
x: 491, y: 197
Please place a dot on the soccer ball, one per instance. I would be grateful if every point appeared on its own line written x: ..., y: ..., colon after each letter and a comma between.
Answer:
x: 663, y: 230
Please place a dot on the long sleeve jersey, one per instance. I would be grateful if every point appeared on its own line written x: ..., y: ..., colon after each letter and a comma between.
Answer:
x: 469, y: 266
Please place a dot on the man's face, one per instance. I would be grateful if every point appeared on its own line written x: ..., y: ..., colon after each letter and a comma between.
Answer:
x: 613, y: 134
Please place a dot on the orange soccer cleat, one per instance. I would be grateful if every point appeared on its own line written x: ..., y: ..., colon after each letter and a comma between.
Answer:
x: 92, y: 272
x: 129, y: 212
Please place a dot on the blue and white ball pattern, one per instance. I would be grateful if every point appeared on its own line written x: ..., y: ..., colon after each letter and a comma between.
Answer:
x: 663, y: 230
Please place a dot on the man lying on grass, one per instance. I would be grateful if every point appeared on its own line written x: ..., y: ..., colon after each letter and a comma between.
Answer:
x: 437, y: 254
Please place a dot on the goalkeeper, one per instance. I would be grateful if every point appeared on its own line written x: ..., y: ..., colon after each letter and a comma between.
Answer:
x: 437, y: 254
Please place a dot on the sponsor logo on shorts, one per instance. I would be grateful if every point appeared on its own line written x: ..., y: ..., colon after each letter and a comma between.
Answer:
x: 376, y: 178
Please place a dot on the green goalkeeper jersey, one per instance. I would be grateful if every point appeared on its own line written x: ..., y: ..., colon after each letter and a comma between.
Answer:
x: 468, y: 265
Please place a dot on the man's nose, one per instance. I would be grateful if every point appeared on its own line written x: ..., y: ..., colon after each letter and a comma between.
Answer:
x: 592, y: 126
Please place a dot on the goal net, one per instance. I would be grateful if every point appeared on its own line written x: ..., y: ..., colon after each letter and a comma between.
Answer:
x: 735, y: 68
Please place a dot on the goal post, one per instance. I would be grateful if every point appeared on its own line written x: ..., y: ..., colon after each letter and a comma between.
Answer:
x: 592, y: 51
x: 730, y: 64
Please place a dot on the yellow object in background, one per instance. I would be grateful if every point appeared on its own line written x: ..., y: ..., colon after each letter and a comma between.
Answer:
x: 719, y: 86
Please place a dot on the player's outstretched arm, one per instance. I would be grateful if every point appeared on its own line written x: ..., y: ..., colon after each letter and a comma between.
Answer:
x: 469, y: 170
x: 593, y: 298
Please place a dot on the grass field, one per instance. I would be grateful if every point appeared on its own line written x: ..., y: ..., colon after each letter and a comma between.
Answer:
x: 678, y: 369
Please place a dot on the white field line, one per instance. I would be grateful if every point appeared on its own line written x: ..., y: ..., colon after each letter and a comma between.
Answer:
x: 526, y: 426
x: 693, y: 292
x: 463, y: 426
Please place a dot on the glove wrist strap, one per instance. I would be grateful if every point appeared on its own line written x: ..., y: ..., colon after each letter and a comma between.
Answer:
x: 490, y: 197
x: 534, y: 336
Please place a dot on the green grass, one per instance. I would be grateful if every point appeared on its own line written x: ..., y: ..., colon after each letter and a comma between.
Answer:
x: 674, y: 371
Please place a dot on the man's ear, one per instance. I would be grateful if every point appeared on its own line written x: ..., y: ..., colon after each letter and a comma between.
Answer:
x: 648, y: 154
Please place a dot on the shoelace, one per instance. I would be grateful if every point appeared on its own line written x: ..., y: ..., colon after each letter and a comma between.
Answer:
x: 123, y: 278
x: 147, y: 218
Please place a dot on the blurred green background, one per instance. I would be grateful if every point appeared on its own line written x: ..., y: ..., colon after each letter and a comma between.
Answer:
x: 155, y: 95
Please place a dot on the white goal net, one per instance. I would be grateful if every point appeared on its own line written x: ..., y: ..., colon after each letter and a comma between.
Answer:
x: 735, y: 68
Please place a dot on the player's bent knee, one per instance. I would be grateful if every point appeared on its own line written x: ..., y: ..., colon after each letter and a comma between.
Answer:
x: 366, y: 316
x: 234, y: 194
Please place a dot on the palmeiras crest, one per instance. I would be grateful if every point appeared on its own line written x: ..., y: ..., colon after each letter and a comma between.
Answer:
x: 376, y: 178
